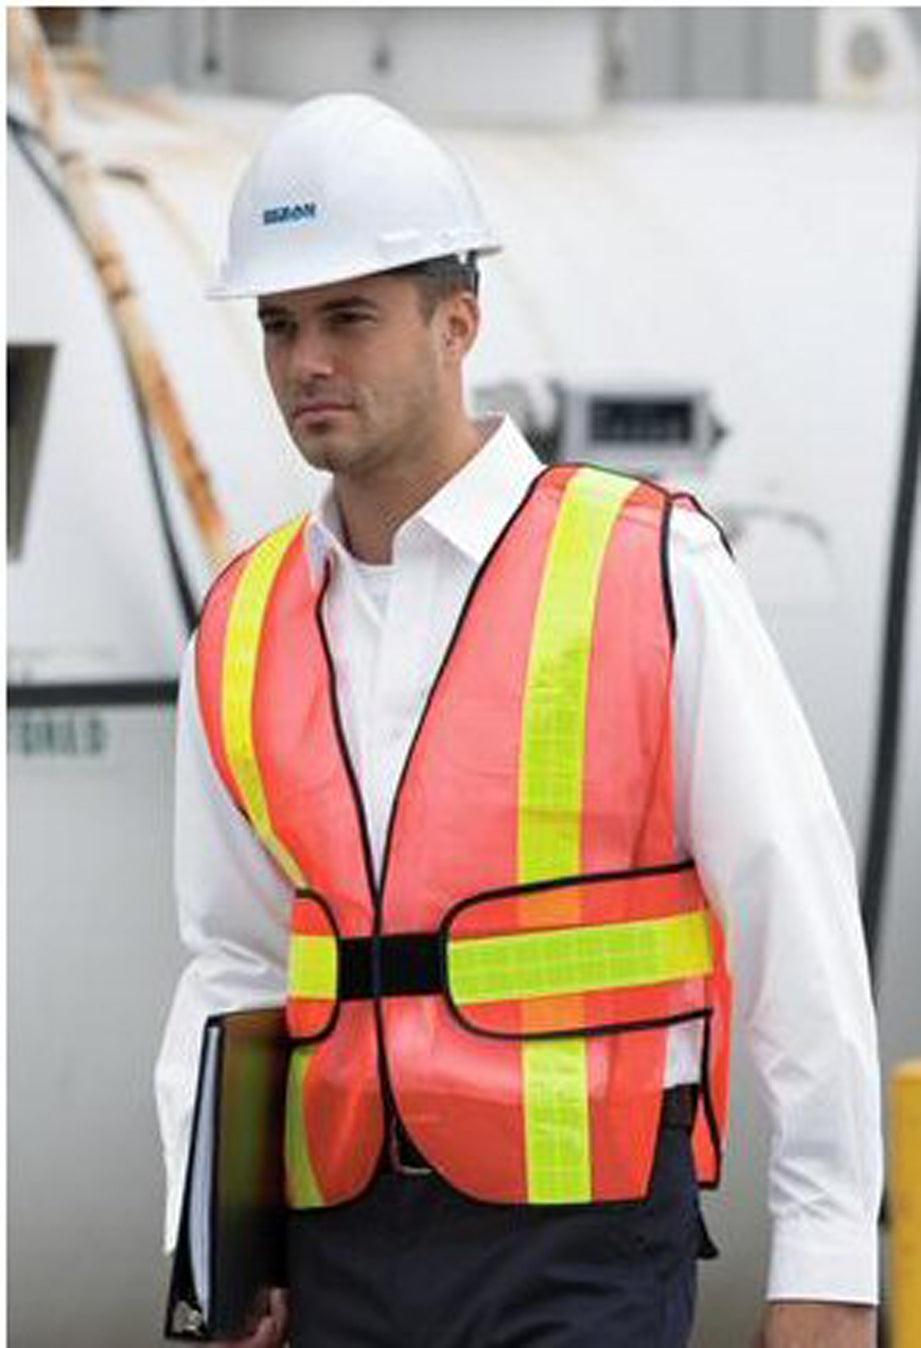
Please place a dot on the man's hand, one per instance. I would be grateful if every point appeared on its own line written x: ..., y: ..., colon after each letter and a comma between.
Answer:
x: 272, y: 1330
x: 817, y: 1324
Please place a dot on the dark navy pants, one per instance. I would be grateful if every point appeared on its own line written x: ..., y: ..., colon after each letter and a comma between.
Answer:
x: 413, y: 1264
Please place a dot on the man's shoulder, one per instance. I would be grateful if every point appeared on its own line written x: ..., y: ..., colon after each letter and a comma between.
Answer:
x: 267, y: 549
x: 695, y: 530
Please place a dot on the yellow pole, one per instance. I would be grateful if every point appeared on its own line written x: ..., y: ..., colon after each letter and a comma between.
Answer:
x: 906, y: 1204
x: 79, y: 185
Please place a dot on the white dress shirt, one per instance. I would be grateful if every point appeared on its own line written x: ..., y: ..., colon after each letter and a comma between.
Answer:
x: 753, y: 806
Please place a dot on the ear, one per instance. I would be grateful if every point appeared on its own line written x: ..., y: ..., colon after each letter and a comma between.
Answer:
x: 460, y: 323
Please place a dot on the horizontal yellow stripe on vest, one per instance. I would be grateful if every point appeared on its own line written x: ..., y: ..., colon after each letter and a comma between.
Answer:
x: 313, y: 966
x: 579, y: 959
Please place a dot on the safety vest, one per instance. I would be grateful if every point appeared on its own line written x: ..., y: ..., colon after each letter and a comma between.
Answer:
x: 506, y: 986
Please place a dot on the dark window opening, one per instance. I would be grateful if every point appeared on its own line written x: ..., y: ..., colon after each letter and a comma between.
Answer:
x: 28, y: 376
x: 663, y: 422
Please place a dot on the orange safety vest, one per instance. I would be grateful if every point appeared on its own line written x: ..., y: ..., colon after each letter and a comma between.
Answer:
x: 507, y: 985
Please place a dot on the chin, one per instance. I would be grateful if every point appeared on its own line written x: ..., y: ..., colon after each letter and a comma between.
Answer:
x: 324, y: 451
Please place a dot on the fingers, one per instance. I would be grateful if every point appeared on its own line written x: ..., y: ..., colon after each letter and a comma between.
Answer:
x: 272, y: 1329
x: 268, y: 1335
x: 278, y: 1310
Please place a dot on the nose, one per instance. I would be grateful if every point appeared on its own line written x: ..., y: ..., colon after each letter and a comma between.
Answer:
x: 310, y: 356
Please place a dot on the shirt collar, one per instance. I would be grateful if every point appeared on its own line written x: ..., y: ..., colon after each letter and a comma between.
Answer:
x: 469, y: 512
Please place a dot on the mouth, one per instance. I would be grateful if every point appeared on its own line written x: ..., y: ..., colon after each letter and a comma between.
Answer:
x: 319, y: 411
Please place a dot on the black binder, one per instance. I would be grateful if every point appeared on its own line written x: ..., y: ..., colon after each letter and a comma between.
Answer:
x: 231, y: 1245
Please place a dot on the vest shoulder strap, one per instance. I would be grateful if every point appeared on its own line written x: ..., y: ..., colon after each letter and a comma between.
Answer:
x: 227, y: 651
x: 226, y: 579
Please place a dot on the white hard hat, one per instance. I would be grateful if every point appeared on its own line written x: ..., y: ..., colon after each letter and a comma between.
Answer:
x: 346, y: 186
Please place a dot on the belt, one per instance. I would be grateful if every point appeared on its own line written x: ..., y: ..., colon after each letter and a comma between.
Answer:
x: 402, y: 1157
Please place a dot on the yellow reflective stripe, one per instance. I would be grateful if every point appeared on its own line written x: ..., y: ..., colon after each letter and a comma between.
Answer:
x: 301, y: 1182
x: 241, y: 653
x: 550, y: 808
x: 313, y: 966
x: 556, y: 1121
x: 553, y: 726
x: 582, y: 959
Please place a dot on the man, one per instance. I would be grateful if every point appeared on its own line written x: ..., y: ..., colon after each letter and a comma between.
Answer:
x: 514, y: 745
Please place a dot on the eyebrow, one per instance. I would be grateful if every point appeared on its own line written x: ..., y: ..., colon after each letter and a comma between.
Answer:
x: 329, y: 306
x: 348, y: 302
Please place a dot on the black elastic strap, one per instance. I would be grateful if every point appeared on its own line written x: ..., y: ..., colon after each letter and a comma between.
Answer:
x: 679, y: 1106
x: 410, y: 965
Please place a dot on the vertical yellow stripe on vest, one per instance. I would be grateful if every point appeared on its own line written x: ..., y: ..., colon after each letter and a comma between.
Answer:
x: 557, y: 1122
x: 241, y: 655
x: 303, y: 1191
x: 557, y: 1125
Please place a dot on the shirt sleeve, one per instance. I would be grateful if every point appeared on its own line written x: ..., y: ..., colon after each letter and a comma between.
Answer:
x: 233, y: 919
x: 755, y: 809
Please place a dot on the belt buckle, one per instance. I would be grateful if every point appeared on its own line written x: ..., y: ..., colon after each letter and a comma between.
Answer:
x: 397, y: 1163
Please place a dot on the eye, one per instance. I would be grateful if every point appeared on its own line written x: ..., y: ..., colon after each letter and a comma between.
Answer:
x: 348, y: 318
x: 276, y: 326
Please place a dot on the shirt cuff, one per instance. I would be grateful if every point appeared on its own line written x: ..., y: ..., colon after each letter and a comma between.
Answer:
x: 820, y: 1260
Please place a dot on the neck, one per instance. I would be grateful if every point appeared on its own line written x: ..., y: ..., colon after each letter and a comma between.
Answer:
x: 373, y: 507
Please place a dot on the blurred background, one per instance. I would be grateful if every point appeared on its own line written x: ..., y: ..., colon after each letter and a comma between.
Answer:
x: 711, y: 220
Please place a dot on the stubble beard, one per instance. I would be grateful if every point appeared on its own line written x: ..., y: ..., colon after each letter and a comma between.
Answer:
x: 374, y: 443
x: 390, y: 430
x: 334, y: 448
x: 354, y: 453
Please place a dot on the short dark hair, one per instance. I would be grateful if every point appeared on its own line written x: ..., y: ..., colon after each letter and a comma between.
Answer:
x: 438, y: 278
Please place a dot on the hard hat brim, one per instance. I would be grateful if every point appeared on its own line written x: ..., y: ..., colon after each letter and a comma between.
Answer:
x: 237, y: 287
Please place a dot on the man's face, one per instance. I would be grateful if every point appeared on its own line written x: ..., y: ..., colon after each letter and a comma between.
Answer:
x: 359, y: 374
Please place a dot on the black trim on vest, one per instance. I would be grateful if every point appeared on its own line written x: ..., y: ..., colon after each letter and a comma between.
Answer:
x: 606, y: 1031
x: 239, y: 560
x: 445, y: 660
x: 563, y: 881
x: 414, y: 964
x: 705, y: 1102
x: 367, y: 854
x: 668, y: 499
x: 407, y: 964
x: 389, y: 1107
x: 368, y: 961
x: 537, y: 481
x: 689, y: 498
x: 672, y: 498
x: 665, y: 535
x: 378, y: 890
x: 313, y: 1039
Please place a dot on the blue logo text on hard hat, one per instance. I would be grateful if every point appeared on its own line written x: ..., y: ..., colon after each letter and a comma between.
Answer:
x: 290, y: 215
